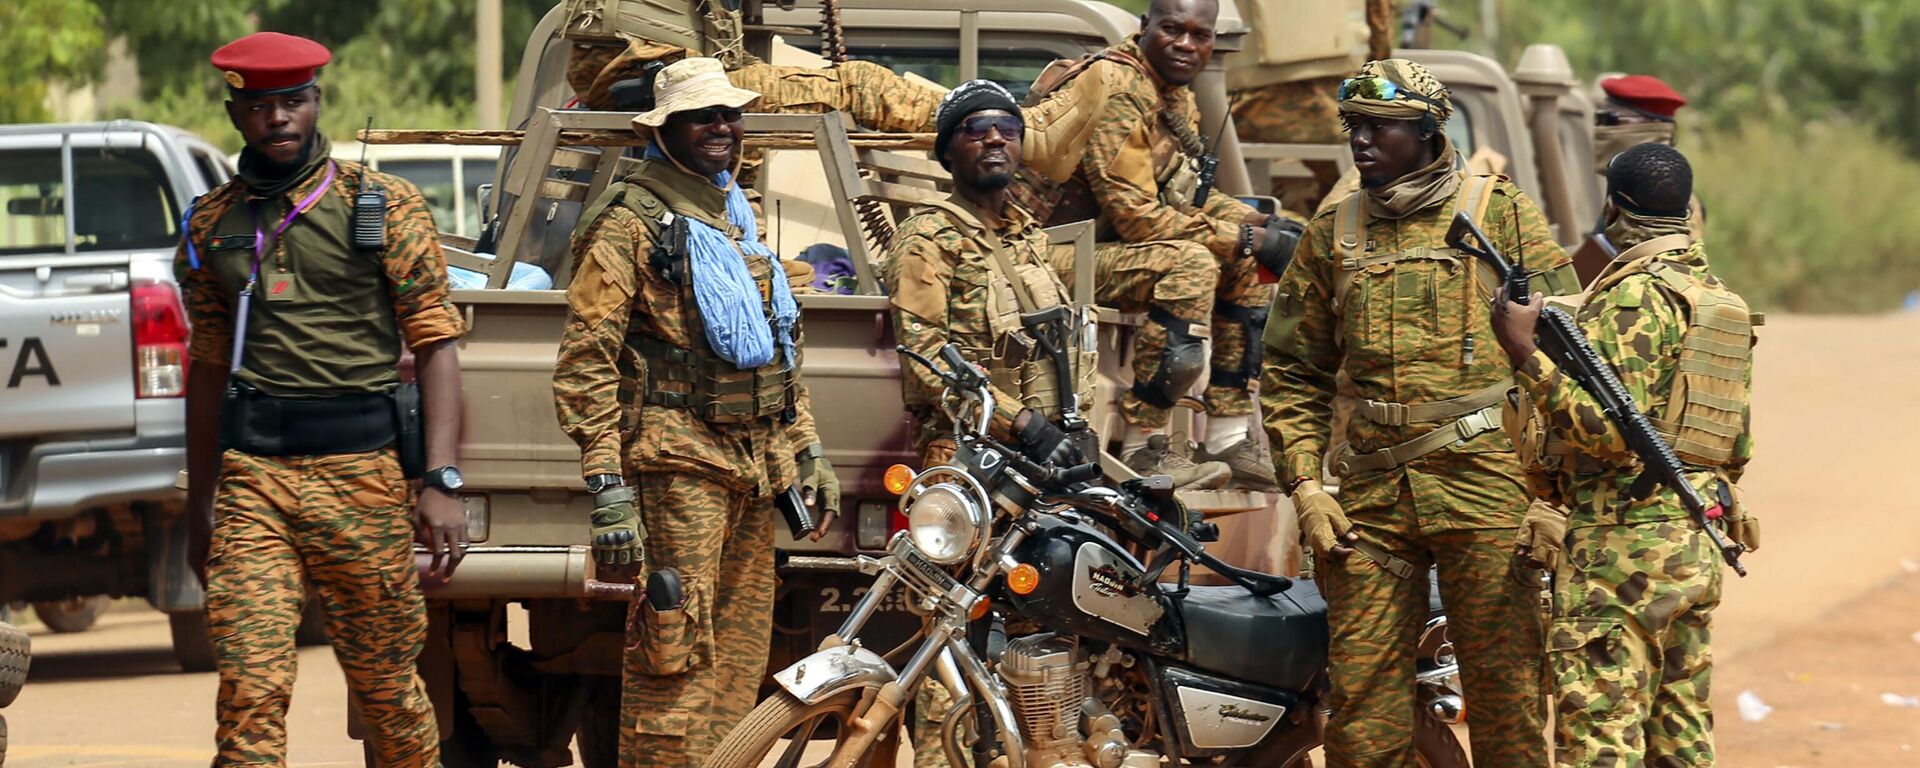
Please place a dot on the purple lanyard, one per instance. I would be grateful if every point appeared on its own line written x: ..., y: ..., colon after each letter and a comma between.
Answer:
x: 260, y: 247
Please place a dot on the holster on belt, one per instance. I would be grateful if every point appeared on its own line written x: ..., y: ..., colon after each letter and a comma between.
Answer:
x: 260, y: 424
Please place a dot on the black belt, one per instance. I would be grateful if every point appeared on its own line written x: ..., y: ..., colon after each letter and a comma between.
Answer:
x: 264, y: 425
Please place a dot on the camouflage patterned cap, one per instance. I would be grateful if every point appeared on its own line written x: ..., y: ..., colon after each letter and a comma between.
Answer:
x: 1395, y: 89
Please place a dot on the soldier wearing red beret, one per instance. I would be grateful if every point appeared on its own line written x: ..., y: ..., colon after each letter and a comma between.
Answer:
x: 297, y: 488
x: 1638, y: 109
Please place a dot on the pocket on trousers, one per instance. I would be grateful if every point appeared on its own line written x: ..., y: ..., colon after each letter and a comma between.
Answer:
x: 1595, y: 668
x: 673, y: 641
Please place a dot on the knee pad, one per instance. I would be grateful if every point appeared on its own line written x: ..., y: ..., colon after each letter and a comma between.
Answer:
x: 1181, y: 362
x: 1254, y: 321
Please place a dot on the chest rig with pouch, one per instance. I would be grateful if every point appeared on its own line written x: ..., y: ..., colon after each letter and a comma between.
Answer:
x: 693, y: 377
x: 1704, y: 414
x: 1180, y: 160
x: 1041, y: 351
x: 1458, y: 419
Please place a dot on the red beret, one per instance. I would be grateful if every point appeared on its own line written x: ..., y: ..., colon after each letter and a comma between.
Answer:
x: 269, y: 62
x: 1645, y: 93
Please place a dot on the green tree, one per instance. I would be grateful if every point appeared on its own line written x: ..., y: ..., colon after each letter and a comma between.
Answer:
x: 41, y: 41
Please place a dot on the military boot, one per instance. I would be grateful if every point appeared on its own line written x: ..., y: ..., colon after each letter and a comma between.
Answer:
x: 1251, y: 462
x: 1159, y: 458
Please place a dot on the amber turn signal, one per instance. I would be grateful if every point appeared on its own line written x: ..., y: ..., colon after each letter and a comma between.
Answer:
x: 979, y: 609
x: 1023, y: 579
x: 897, y: 478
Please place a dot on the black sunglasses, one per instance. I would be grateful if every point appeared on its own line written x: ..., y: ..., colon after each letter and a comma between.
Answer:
x: 711, y: 114
x: 977, y: 126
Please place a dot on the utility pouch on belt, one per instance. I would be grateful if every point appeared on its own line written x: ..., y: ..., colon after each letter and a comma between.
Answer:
x: 260, y: 424
x: 410, y: 431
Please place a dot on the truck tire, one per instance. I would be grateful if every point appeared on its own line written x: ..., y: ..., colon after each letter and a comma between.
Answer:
x: 74, y: 614
x: 191, y: 646
x: 16, y: 654
x: 598, y: 734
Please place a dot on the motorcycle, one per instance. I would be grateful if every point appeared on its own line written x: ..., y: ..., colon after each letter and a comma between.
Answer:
x: 1060, y: 646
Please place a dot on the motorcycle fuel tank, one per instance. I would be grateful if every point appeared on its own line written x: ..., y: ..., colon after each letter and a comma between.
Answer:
x: 1089, y: 586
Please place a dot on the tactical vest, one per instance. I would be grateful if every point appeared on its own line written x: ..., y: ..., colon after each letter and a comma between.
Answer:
x: 1176, y: 151
x: 710, y: 27
x: 695, y: 378
x: 1017, y: 364
x: 1461, y: 418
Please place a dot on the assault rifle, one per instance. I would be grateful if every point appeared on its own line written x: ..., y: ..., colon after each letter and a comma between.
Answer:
x: 1563, y: 342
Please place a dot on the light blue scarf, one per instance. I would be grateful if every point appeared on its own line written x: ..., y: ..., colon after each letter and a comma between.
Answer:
x: 725, y: 291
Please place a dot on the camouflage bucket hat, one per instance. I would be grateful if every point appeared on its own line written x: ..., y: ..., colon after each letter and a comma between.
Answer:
x: 1395, y: 89
x: 691, y: 84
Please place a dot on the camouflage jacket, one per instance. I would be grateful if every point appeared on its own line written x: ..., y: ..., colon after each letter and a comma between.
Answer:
x: 619, y: 293
x: 1635, y: 323
x: 1412, y: 331
x: 937, y: 278
x: 1133, y: 153
x: 315, y: 291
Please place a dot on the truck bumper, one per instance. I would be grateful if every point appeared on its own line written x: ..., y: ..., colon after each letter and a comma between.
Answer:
x: 54, y: 480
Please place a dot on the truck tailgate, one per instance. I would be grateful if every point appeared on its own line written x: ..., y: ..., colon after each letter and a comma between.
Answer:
x: 66, y: 348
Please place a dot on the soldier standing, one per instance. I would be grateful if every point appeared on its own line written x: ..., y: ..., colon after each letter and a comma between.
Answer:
x: 1629, y: 642
x: 1640, y: 109
x: 1427, y: 477
x: 679, y: 371
x: 963, y: 270
x: 294, y: 480
x: 1167, y: 249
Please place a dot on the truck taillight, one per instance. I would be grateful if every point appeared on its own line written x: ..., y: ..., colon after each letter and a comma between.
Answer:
x: 159, y: 341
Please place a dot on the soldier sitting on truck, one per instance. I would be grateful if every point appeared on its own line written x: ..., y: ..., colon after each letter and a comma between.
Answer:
x: 679, y: 370
x: 1171, y: 247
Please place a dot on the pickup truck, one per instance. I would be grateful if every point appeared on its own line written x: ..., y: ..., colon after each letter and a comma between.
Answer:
x: 92, y: 370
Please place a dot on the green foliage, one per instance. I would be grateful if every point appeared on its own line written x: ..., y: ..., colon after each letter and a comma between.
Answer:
x: 43, y: 40
x: 1811, y: 219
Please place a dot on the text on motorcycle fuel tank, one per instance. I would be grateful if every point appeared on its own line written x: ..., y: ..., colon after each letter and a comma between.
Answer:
x: 1111, y: 588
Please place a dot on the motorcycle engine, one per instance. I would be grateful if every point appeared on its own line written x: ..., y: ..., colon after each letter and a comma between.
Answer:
x: 1046, y: 676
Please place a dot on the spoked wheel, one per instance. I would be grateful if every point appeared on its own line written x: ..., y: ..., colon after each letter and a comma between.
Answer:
x: 782, y: 733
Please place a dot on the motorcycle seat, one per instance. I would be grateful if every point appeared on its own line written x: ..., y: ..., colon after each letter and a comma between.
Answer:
x: 1278, y: 641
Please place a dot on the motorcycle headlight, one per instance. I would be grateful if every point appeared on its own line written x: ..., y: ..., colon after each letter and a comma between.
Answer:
x: 945, y: 524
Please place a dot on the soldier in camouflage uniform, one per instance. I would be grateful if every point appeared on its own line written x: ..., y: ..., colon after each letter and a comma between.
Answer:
x: 679, y: 369
x: 961, y: 271
x: 1629, y: 641
x: 1427, y: 477
x: 294, y: 483
x: 1160, y: 246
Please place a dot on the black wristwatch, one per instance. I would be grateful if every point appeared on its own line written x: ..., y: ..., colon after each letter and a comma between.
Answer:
x: 601, y: 482
x: 445, y: 478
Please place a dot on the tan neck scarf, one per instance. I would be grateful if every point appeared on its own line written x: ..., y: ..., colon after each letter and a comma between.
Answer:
x: 1628, y: 229
x: 1417, y: 191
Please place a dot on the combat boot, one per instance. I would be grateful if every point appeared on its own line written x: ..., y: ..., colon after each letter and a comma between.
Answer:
x: 1159, y: 458
x: 1251, y: 462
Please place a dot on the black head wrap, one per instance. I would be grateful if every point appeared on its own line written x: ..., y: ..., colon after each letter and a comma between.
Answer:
x: 972, y: 96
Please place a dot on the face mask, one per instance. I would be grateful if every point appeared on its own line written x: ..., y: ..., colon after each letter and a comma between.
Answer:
x: 1610, y: 140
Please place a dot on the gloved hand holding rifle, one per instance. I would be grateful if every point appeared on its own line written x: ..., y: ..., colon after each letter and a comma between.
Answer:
x: 1556, y: 335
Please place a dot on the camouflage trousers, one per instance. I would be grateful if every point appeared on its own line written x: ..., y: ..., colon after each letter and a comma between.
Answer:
x: 1186, y: 280
x: 1629, y: 646
x: 1493, y: 619
x: 1301, y: 112
x: 340, y: 527
x: 693, y: 672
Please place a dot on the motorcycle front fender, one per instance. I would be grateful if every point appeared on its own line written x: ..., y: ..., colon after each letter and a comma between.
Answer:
x: 833, y: 671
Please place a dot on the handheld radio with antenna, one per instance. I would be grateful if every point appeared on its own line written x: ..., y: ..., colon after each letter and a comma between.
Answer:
x: 369, y: 207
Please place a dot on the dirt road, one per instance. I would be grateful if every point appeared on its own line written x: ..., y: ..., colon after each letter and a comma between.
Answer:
x: 1824, y: 627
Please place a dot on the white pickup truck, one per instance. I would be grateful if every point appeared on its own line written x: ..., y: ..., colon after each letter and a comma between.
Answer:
x: 92, y: 369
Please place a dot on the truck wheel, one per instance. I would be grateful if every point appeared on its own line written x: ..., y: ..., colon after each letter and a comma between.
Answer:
x: 468, y: 745
x: 16, y: 654
x: 74, y: 614
x: 313, y: 626
x: 599, y: 731
x: 191, y: 646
